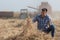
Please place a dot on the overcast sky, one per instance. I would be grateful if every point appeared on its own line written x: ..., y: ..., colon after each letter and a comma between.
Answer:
x: 16, y: 5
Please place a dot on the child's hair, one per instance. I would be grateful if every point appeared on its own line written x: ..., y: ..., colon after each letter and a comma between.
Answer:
x: 44, y: 9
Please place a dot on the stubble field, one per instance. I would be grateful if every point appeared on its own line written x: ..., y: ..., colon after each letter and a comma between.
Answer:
x: 16, y: 29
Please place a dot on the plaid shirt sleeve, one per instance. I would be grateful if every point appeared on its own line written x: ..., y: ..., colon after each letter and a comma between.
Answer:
x: 50, y: 21
x: 34, y: 19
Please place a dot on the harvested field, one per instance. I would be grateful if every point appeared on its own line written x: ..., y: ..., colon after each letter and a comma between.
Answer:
x: 16, y: 29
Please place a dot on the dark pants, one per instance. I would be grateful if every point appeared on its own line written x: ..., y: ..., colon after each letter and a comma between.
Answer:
x: 50, y: 29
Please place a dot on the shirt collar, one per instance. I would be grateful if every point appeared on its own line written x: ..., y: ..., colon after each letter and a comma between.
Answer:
x: 44, y: 17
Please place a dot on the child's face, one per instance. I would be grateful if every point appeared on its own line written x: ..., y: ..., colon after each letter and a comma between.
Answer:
x: 43, y: 13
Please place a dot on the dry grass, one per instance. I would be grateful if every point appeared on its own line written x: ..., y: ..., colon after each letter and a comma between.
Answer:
x: 16, y: 29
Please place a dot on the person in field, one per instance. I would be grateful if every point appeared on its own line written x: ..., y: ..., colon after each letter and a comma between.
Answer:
x: 44, y: 22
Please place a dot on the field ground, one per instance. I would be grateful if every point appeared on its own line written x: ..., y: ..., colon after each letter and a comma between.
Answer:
x: 16, y: 29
